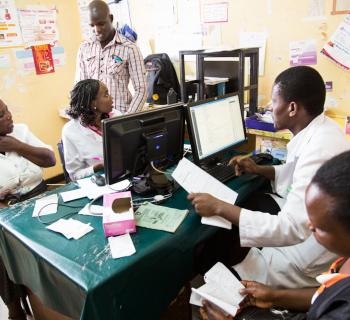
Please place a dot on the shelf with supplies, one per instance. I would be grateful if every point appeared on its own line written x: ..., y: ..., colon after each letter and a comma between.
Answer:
x: 237, y: 70
x: 274, y: 143
x: 282, y: 134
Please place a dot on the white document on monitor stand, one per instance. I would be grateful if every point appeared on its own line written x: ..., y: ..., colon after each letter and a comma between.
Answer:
x: 194, y: 179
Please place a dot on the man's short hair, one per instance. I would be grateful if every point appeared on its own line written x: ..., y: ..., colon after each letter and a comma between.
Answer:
x: 333, y: 178
x: 303, y: 85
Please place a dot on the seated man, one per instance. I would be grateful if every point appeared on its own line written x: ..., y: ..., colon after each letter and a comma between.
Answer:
x: 328, y: 206
x: 298, y: 97
x: 21, y: 157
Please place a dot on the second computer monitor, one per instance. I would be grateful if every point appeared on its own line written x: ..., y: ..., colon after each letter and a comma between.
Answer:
x: 216, y: 126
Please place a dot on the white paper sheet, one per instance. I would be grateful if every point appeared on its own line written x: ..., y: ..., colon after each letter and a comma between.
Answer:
x: 194, y: 179
x: 95, y: 210
x: 46, y: 205
x: 73, y: 194
x: 70, y: 228
x: 221, y: 288
x: 121, y: 246
x: 93, y: 191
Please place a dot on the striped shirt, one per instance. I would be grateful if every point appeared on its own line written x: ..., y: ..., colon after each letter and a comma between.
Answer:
x: 114, y: 65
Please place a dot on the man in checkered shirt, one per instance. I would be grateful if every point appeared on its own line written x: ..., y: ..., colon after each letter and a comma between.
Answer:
x: 111, y: 58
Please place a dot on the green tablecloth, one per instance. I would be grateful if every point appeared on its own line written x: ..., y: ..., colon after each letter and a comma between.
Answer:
x: 80, y: 279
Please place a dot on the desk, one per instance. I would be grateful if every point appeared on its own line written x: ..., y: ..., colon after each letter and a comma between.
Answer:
x: 78, y: 278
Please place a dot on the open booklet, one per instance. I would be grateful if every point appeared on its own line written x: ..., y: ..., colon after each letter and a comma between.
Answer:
x: 221, y: 288
x: 194, y: 179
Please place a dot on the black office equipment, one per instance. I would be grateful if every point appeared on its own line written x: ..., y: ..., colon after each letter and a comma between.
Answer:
x: 215, y: 128
x: 140, y: 145
x: 160, y: 78
x: 242, y: 76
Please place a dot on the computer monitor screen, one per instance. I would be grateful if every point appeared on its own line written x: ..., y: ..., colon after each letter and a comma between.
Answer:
x: 131, y: 142
x: 216, y: 126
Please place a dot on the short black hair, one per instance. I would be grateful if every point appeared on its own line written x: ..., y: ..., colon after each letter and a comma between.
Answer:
x: 333, y: 178
x: 81, y: 97
x: 303, y: 85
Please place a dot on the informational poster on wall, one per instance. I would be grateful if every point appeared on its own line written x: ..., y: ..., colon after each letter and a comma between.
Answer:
x: 39, y: 26
x: 214, y: 11
x: 337, y: 49
x: 84, y: 18
x: 10, y: 32
x: 43, y: 60
x: 302, y: 52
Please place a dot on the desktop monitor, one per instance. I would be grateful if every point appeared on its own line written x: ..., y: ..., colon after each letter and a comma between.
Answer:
x: 132, y: 142
x: 216, y: 126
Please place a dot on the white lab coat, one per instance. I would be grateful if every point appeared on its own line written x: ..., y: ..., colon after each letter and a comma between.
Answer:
x: 291, y: 265
x: 82, y: 149
x: 18, y: 174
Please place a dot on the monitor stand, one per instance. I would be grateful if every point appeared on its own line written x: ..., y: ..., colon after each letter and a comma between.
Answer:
x: 152, y: 182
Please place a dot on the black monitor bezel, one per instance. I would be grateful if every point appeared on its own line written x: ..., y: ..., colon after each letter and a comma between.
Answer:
x: 107, y: 123
x: 190, y: 129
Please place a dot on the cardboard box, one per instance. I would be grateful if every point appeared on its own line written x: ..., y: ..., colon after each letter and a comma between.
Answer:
x: 118, y: 214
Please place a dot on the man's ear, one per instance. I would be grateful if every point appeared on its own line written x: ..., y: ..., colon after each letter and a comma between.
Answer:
x: 293, y: 109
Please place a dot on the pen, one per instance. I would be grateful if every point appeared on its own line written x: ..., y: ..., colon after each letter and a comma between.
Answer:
x: 248, y: 155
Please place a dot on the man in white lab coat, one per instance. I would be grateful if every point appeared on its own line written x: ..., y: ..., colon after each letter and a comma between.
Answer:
x: 291, y: 257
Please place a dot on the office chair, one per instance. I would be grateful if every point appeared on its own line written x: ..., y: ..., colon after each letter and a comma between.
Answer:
x: 61, y: 153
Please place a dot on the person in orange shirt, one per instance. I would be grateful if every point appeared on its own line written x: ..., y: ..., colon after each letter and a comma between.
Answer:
x: 327, y: 201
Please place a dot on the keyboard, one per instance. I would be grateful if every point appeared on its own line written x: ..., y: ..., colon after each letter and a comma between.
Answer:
x: 221, y: 171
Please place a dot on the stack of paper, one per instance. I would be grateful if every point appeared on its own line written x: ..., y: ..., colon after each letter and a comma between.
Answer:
x: 221, y: 288
x: 70, y: 228
x: 121, y: 246
x: 194, y: 179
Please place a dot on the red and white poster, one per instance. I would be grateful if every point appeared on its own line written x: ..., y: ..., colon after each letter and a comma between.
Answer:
x: 43, y: 60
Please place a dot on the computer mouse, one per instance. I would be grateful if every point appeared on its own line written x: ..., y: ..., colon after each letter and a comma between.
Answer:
x: 261, y: 158
x: 265, y: 156
x: 98, y: 179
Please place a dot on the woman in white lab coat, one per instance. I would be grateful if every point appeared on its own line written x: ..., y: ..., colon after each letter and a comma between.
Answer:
x: 291, y: 257
x: 22, y: 156
x: 82, y: 136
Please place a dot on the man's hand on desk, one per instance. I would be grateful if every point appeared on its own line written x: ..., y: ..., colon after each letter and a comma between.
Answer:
x: 206, y: 206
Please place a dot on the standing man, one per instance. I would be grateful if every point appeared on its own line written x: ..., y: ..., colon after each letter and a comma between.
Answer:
x: 112, y: 59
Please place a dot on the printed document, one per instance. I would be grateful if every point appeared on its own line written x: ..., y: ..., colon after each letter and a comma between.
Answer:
x: 194, y: 179
x: 159, y: 217
x: 221, y: 288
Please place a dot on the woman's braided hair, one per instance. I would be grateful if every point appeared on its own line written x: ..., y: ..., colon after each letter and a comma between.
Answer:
x: 82, y: 95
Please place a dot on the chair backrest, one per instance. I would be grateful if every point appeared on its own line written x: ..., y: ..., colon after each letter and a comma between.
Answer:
x: 61, y: 153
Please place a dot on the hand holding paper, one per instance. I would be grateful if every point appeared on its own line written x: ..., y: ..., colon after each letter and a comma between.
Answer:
x: 193, y: 179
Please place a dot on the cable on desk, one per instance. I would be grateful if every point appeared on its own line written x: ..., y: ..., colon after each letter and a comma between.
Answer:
x: 160, y: 171
x: 58, y: 205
